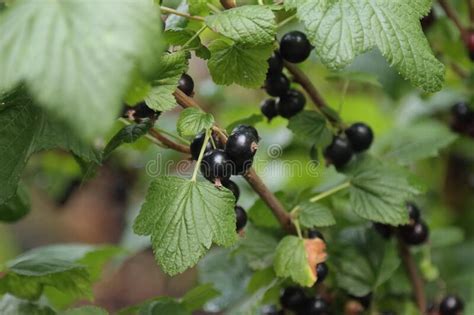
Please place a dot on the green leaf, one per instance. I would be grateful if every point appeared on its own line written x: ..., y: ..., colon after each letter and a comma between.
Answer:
x: 311, y: 126
x: 196, y: 298
x: 127, y: 134
x: 418, y: 141
x: 250, y: 25
x: 180, y: 37
x: 312, y: 214
x: 291, y: 261
x: 234, y: 63
x: 360, y: 77
x: 364, y: 262
x: 198, y: 7
x: 16, y: 207
x: 86, y: 310
x: 258, y: 247
x: 163, y: 306
x: 261, y: 216
x: 10, y: 305
x: 341, y: 30
x: 378, y: 192
x: 172, y: 66
x: 25, y: 130
x: 77, y: 57
x: 183, y: 219
x: 192, y: 121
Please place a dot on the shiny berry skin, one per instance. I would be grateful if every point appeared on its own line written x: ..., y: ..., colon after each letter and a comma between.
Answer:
x: 313, y: 233
x: 268, y: 108
x: 295, y: 47
x: 240, y: 218
x: 414, y: 234
x: 462, y: 113
x: 186, y: 84
x: 277, y: 84
x: 275, y: 64
x: 141, y: 110
x: 232, y: 186
x: 292, y: 298
x: 315, y: 306
x: 215, y: 165
x: 360, y: 135
x: 241, y: 145
x: 384, y: 230
x: 339, y: 152
x: 271, y: 310
x: 322, y: 270
x: 196, y: 145
x: 451, y: 305
x: 413, y: 212
x: 291, y: 104
x: 246, y: 129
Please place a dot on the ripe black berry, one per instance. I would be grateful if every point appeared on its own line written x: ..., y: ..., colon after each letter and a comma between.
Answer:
x: 271, y: 310
x: 295, y: 47
x: 141, y: 110
x: 246, y: 129
x: 292, y: 298
x: 462, y: 113
x: 322, y: 270
x: 470, y: 45
x: 413, y: 212
x: 277, y: 84
x: 313, y: 233
x: 196, y: 145
x: 291, y: 103
x: 268, y: 108
x: 241, y: 218
x: 451, y: 305
x: 414, y: 234
x: 384, y: 230
x: 186, y: 84
x: 232, y: 186
x: 215, y: 165
x: 360, y: 135
x: 241, y: 147
x: 315, y: 306
x: 275, y: 64
x: 339, y: 152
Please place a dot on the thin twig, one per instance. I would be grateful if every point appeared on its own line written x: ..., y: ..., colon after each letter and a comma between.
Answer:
x: 183, y: 14
x: 413, y: 274
x: 168, y: 143
x: 451, y: 14
x: 251, y: 176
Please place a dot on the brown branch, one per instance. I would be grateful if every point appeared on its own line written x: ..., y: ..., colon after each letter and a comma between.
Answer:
x: 168, y: 143
x: 451, y: 14
x: 413, y: 274
x: 251, y: 176
x: 228, y: 4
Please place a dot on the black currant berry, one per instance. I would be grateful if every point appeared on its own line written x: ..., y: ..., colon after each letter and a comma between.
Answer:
x: 365, y: 300
x: 246, y: 129
x: 414, y: 234
x: 271, y: 310
x: 268, y: 108
x: 196, y: 145
x: 186, y: 84
x: 360, y: 135
x: 451, y: 305
x: 275, y: 64
x: 413, y: 212
x: 241, y: 218
x: 291, y: 103
x: 232, y: 186
x: 141, y: 110
x: 215, y: 165
x: 277, y: 84
x: 384, y: 230
x: 313, y: 233
x: 292, y: 298
x: 470, y: 45
x: 322, y: 270
x: 241, y: 147
x: 339, y: 152
x: 462, y: 113
x: 295, y: 47
x: 315, y: 306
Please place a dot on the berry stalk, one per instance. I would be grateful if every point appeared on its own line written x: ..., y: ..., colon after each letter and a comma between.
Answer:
x: 201, y: 155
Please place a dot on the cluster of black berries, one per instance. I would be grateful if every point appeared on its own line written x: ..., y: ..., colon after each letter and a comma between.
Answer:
x: 295, y: 299
x: 414, y: 233
x: 357, y: 138
x: 295, y: 48
x: 463, y: 119
x: 235, y: 158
